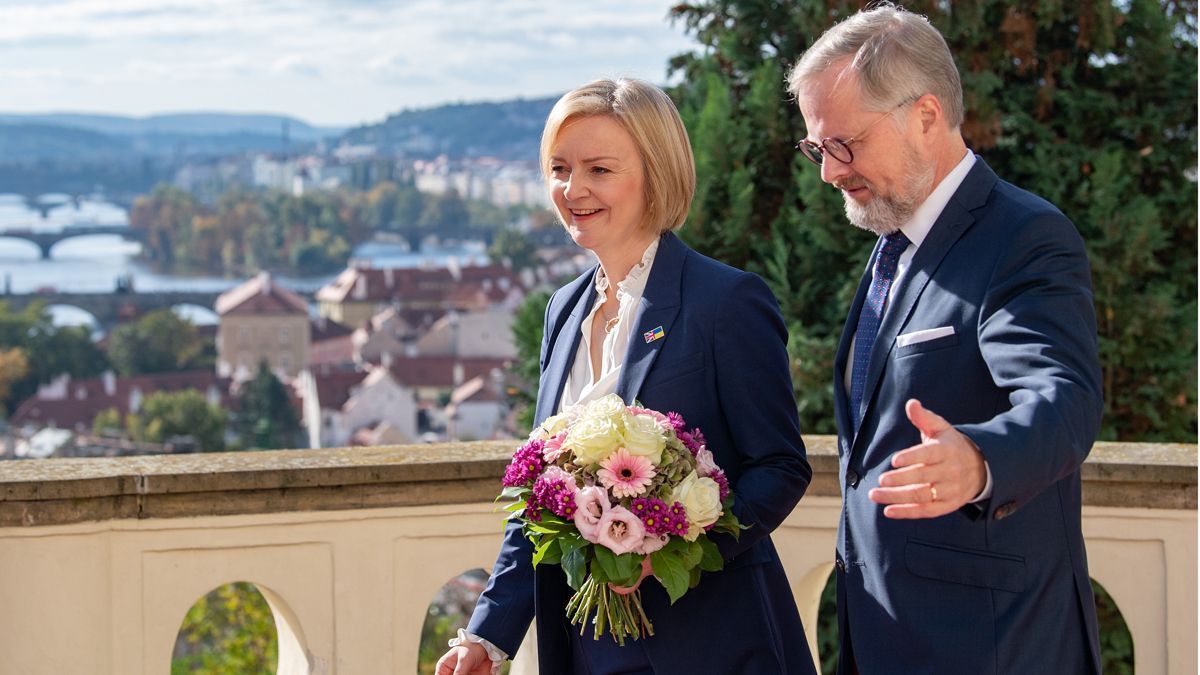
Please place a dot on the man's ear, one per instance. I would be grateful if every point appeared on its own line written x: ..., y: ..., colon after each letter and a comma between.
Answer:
x: 930, y: 110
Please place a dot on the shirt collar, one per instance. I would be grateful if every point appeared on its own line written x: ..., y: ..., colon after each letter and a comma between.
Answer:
x: 918, y: 227
x: 635, y: 281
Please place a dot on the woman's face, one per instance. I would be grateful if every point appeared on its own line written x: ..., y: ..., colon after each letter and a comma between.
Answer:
x: 596, y: 182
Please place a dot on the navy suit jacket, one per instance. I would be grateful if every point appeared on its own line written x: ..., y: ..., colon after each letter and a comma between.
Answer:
x: 999, y: 587
x: 723, y: 365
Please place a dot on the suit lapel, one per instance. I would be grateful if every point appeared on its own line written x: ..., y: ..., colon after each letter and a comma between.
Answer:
x: 841, y: 398
x: 562, y: 352
x: 954, y: 220
x: 658, y: 308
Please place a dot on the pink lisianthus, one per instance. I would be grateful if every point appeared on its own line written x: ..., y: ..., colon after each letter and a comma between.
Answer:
x: 625, y: 474
x: 553, y: 449
x: 705, y: 465
x: 591, y: 503
x: 651, y: 543
x: 621, y: 531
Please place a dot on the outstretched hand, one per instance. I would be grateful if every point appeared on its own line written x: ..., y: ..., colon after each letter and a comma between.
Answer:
x: 939, y: 476
x: 469, y: 658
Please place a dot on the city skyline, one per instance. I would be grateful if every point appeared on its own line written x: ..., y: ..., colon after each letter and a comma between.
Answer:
x: 327, y: 63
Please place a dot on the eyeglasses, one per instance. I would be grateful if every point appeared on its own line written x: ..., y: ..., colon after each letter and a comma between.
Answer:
x: 836, y: 147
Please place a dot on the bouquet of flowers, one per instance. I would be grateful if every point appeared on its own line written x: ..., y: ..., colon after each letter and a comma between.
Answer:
x: 606, y: 490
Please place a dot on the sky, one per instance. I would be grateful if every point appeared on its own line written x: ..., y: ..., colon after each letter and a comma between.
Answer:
x: 327, y: 62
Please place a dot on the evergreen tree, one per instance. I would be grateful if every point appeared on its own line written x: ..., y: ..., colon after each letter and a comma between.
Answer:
x: 527, y: 337
x: 265, y: 416
x: 1091, y: 105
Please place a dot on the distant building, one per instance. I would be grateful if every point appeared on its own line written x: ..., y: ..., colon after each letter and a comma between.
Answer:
x: 477, y: 409
x: 74, y: 404
x: 420, y: 296
x: 261, y: 320
x: 339, y: 405
x: 484, y: 333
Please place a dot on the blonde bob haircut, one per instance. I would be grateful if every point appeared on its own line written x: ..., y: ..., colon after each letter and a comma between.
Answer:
x: 650, y: 117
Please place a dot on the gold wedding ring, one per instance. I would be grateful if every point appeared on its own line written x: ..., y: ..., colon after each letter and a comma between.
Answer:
x: 932, y: 492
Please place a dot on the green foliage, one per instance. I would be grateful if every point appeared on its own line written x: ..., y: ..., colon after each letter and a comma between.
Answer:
x: 107, y: 421
x: 527, y: 337
x: 46, y: 350
x: 229, y: 630
x: 159, y: 342
x: 168, y: 414
x: 513, y: 248
x: 1091, y: 105
x: 265, y: 416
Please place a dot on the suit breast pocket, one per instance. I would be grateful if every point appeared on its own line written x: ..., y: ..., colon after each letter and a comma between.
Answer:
x: 921, y: 342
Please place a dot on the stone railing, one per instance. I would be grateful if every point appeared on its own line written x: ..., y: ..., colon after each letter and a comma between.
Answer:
x: 101, y: 558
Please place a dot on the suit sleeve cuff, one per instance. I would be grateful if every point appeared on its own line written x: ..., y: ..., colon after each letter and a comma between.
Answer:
x: 986, y: 494
x: 494, y: 653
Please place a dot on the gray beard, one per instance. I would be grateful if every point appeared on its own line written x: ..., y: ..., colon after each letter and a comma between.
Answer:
x: 884, y: 214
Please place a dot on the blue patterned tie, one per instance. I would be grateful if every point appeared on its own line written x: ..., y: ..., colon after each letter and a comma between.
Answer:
x: 871, y: 315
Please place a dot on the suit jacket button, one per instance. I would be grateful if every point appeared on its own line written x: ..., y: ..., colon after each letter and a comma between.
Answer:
x: 852, y: 478
x: 840, y: 565
x: 1005, y: 510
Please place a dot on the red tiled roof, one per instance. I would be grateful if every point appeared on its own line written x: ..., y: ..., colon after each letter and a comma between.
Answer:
x: 332, y: 351
x: 438, y: 371
x: 413, y: 286
x: 87, y: 398
x: 333, y: 388
x: 260, y: 295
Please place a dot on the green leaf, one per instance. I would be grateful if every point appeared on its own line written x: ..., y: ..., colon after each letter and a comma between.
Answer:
x: 539, y: 553
x: 574, y: 564
x: 712, y: 561
x: 608, y: 563
x: 669, y: 569
x: 693, y: 554
x: 514, y: 492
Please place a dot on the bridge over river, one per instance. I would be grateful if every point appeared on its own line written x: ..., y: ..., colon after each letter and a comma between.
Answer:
x: 46, y: 239
x: 110, y: 307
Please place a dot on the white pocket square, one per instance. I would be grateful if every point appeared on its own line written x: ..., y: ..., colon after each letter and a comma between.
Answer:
x: 920, y: 336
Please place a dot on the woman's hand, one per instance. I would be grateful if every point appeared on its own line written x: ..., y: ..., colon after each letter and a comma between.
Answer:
x: 647, y: 570
x: 469, y: 658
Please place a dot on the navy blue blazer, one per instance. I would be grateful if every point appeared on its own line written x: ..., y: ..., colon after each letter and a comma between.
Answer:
x: 723, y: 365
x: 1000, y: 587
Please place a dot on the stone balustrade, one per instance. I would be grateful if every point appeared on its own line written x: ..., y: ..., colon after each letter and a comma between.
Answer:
x: 101, y: 558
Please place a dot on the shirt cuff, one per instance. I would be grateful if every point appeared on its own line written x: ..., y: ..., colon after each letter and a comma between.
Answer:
x: 987, y: 486
x: 496, y: 654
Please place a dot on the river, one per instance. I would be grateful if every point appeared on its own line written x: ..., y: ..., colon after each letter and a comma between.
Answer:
x: 94, y: 263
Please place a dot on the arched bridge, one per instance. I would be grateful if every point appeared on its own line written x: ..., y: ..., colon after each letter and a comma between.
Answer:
x: 109, y: 307
x: 46, y: 240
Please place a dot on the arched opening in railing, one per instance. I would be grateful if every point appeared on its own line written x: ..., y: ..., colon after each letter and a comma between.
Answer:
x: 450, y: 610
x: 1116, y: 642
x: 242, y: 628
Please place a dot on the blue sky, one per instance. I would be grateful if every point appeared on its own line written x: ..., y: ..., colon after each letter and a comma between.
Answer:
x: 324, y: 61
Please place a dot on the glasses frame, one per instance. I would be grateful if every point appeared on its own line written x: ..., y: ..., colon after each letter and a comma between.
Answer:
x: 815, y: 152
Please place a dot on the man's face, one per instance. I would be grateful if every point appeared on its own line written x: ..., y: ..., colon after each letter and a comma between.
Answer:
x: 889, y: 176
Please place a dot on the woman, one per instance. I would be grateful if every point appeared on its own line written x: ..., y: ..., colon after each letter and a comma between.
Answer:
x: 659, y: 323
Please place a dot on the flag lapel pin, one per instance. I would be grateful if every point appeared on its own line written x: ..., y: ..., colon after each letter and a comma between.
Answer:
x: 654, y: 334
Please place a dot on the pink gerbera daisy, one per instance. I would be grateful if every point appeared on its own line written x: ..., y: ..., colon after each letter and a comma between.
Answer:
x: 625, y: 474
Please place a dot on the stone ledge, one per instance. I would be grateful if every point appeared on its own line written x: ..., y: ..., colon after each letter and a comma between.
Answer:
x: 61, y: 491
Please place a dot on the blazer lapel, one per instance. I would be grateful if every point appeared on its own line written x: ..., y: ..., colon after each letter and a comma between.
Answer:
x: 658, y: 308
x: 954, y: 220
x: 562, y: 353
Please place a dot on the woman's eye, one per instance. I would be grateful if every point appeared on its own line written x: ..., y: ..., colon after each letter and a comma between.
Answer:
x: 558, y: 169
x: 599, y: 169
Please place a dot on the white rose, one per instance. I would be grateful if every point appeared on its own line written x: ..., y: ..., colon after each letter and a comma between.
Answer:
x: 551, y: 427
x: 701, y: 497
x: 593, y: 439
x: 610, y: 406
x: 644, y: 437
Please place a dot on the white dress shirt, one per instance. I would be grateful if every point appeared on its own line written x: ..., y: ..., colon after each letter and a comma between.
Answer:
x: 582, y: 384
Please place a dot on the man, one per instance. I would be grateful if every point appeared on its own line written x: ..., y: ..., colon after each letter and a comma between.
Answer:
x: 967, y: 385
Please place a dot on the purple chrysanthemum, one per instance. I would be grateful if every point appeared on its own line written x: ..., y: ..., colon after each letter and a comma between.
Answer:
x: 722, y: 482
x: 677, y: 422
x: 655, y: 514
x: 527, y: 463
x: 677, y: 520
x: 553, y: 494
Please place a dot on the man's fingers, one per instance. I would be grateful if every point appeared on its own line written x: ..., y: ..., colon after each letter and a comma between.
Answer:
x: 907, y: 494
x: 929, y: 423
x: 911, y: 511
x: 926, y: 453
x: 909, y: 475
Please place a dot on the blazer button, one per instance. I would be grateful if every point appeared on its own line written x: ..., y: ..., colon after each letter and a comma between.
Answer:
x: 1005, y: 510
x: 852, y: 478
x: 840, y: 565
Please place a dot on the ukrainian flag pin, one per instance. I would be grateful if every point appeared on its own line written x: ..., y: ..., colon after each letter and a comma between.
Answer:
x: 654, y: 334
